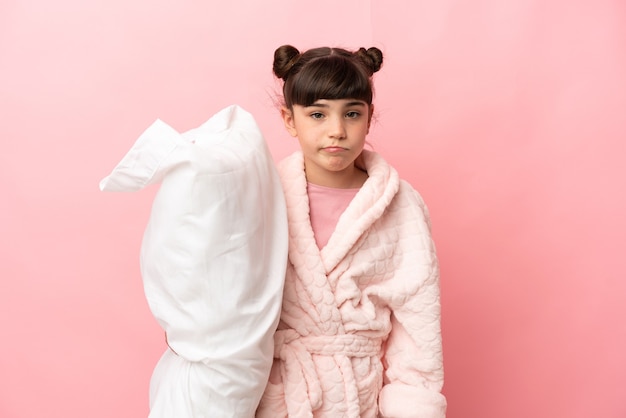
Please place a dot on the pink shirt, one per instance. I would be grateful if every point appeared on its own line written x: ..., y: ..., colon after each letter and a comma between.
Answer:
x: 326, y: 204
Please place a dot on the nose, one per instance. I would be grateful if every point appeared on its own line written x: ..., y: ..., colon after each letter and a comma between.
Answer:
x: 336, y: 129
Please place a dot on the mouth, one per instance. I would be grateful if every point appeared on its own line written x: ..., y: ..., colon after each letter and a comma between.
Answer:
x: 333, y: 149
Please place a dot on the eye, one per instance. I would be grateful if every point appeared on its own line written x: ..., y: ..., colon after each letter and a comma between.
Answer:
x: 353, y: 114
x: 317, y: 115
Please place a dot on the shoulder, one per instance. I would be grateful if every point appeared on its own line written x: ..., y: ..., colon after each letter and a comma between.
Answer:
x: 291, y: 162
x: 407, y: 191
x: 291, y: 173
x: 383, y: 173
x: 291, y: 165
x: 378, y: 169
x: 377, y: 166
x: 411, y: 204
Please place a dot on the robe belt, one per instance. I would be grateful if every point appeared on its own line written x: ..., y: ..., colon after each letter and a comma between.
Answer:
x: 297, y: 366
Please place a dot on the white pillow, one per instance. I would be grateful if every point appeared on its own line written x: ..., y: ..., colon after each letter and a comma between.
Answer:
x: 213, y: 261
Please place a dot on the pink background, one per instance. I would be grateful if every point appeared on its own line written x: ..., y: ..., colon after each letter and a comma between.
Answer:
x: 509, y: 117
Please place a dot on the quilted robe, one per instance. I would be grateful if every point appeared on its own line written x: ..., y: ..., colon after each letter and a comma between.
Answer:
x: 359, y: 334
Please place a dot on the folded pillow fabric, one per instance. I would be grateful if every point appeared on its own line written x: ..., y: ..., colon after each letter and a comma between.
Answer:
x: 213, y: 261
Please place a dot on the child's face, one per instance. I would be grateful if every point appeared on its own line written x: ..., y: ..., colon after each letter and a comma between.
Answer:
x: 331, y: 134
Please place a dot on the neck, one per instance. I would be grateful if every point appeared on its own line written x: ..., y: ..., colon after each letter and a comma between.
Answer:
x: 350, y: 178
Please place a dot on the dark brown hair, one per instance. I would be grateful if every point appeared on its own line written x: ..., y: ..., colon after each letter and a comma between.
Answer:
x: 326, y: 73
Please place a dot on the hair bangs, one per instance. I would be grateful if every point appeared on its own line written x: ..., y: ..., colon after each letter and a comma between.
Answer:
x: 331, y: 77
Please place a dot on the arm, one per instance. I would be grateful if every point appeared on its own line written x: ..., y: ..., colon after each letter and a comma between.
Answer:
x: 413, y: 357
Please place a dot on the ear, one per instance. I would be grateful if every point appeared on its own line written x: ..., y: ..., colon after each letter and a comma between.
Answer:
x: 369, y: 116
x: 289, y: 121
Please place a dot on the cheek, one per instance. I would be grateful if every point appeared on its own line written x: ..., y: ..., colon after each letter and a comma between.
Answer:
x: 308, y: 135
x: 305, y: 142
x: 362, y: 130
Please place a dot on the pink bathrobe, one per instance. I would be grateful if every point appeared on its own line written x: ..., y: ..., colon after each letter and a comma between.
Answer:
x: 359, y: 334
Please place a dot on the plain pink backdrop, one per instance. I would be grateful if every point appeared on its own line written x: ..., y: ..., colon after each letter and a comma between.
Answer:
x: 508, y: 116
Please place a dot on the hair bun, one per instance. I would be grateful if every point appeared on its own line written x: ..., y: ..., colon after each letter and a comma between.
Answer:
x: 372, y: 58
x: 284, y: 58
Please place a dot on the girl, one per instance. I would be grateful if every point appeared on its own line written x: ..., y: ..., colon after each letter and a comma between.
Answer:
x: 359, y: 334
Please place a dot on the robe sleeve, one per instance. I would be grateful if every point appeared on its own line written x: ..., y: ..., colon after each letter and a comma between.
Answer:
x: 413, y: 358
